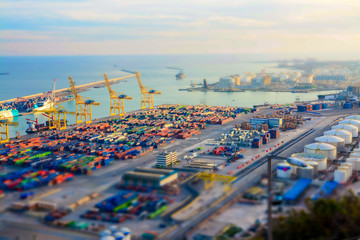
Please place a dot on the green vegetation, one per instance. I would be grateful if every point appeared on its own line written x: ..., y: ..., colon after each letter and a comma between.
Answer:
x: 322, y: 219
x: 229, y: 233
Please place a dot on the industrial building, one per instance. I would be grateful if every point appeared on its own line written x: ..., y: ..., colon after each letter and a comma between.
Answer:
x: 227, y: 83
x: 261, y: 81
x: 306, y: 79
x: 330, y: 77
x: 149, y: 177
x: 166, y: 159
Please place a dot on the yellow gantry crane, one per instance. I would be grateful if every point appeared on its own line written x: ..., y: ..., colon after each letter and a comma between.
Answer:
x: 57, y: 116
x: 4, y: 129
x: 55, y: 113
x: 117, y: 98
x: 147, y: 95
x: 83, y: 105
x: 209, y: 179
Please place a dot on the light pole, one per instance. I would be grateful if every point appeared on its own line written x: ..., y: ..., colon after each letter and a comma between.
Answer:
x: 297, y: 162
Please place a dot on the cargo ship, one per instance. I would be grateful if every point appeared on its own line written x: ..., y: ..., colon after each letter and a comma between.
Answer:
x: 43, y: 105
x: 8, y: 113
x: 180, y: 75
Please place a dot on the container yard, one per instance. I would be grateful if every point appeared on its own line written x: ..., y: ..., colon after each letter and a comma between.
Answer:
x: 108, y: 173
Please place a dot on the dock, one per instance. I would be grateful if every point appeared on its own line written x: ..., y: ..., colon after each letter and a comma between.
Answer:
x: 66, y: 91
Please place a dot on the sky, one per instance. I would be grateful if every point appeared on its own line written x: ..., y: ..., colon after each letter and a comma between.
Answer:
x: 296, y: 28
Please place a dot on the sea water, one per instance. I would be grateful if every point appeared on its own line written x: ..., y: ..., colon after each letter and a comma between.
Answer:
x: 31, y: 75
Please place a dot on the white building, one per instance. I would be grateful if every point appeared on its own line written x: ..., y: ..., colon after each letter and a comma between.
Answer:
x: 307, y: 79
x: 166, y: 159
x: 227, y: 83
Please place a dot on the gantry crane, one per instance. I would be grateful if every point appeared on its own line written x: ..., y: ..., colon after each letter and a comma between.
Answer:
x: 209, y: 179
x: 57, y: 116
x: 55, y: 113
x: 83, y: 105
x: 4, y: 129
x: 116, y: 98
x: 147, y: 95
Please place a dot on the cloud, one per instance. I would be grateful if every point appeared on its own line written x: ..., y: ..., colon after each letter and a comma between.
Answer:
x: 85, y: 15
x: 24, y: 35
x: 162, y: 27
x: 243, y: 22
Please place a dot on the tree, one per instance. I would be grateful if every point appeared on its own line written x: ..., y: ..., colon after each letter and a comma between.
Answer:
x: 321, y: 219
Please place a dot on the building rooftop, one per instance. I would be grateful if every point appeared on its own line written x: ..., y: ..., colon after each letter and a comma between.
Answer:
x: 154, y: 171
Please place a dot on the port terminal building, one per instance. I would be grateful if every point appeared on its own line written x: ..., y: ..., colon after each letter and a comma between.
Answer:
x: 148, y: 177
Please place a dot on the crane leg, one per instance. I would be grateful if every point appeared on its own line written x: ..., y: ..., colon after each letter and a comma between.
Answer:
x: 112, y: 107
x: 88, y: 117
x: 78, y: 113
x: 4, y: 133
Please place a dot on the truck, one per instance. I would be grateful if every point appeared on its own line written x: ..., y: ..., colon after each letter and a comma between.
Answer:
x: 26, y: 195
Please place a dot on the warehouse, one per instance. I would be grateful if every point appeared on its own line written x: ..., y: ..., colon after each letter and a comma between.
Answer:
x: 149, y: 177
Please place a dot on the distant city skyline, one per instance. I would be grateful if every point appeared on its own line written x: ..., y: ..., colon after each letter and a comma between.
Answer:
x: 324, y: 29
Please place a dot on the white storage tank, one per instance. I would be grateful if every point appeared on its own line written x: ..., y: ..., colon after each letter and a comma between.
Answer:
x: 340, y: 176
x: 315, y: 166
x: 119, y: 236
x: 347, y: 170
x: 337, y: 142
x: 348, y: 127
x: 355, y: 154
x: 352, y: 122
x: 127, y: 233
x: 324, y: 148
x: 356, y: 150
x: 283, y: 170
x: 321, y: 159
x: 355, y: 162
x: 104, y: 233
x: 347, y: 136
x: 107, y: 238
x: 307, y: 172
x: 349, y: 165
x: 356, y: 117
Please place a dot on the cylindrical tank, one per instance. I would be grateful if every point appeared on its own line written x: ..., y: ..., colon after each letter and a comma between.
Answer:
x: 321, y: 159
x: 355, y: 162
x: 104, y: 233
x: 107, y: 238
x: 125, y: 230
x: 347, y: 136
x: 355, y: 154
x: 356, y: 117
x: 356, y: 150
x: 113, y: 228
x: 349, y: 165
x: 340, y: 176
x: 307, y: 172
x: 346, y: 169
x: 315, y: 166
x: 324, y: 148
x: 348, y: 127
x: 352, y: 122
x: 283, y: 170
x: 337, y: 142
x: 119, y: 236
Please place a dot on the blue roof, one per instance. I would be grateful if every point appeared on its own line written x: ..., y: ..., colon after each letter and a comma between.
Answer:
x: 297, y: 189
x: 326, y: 190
